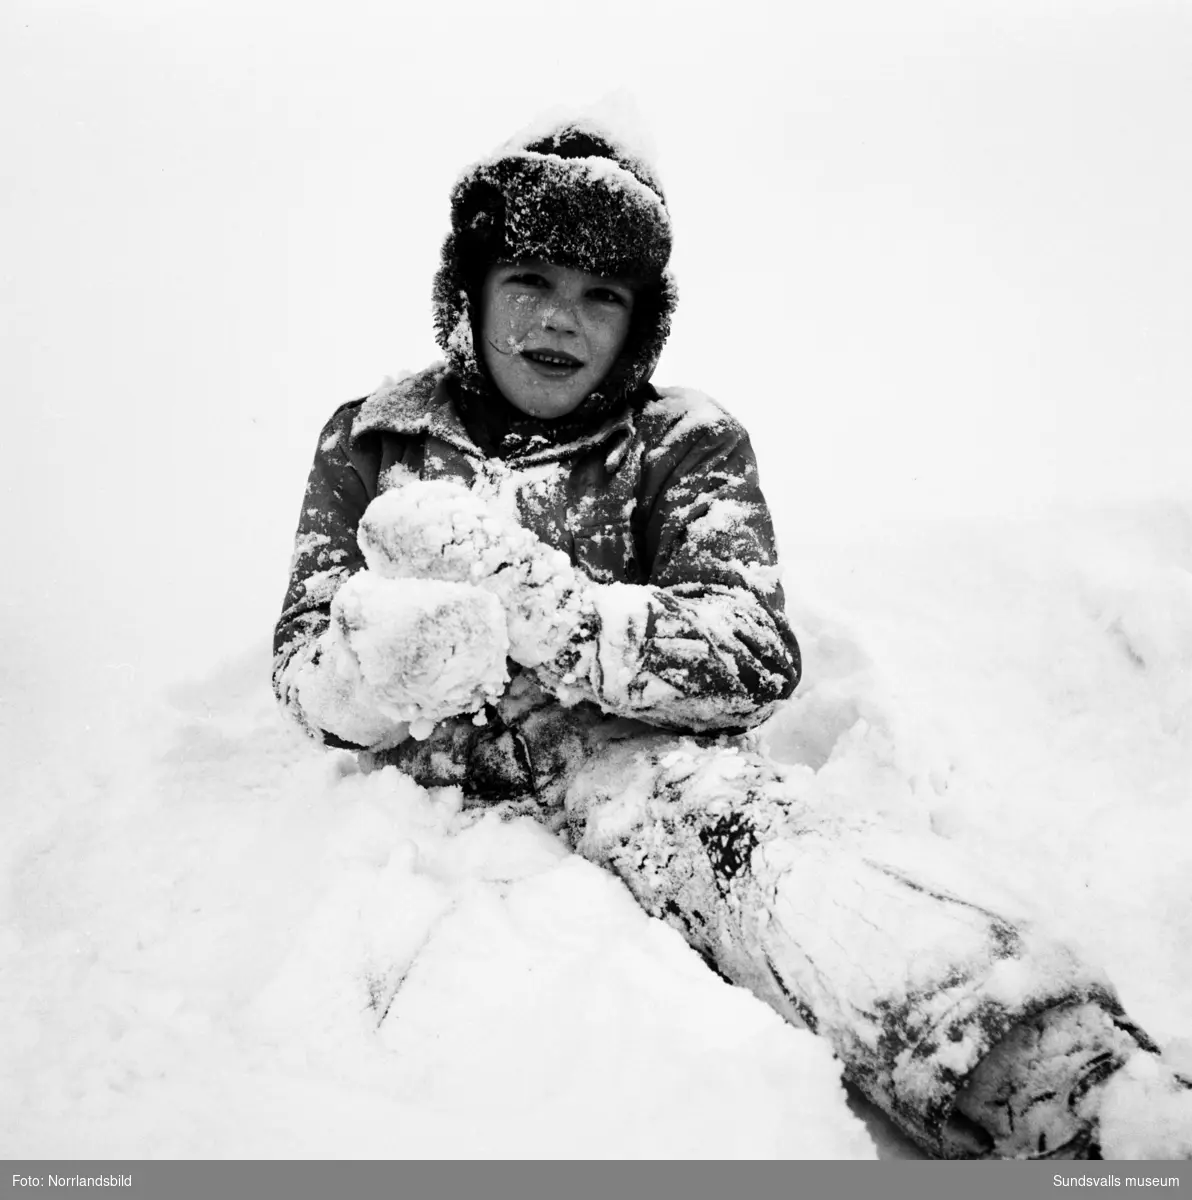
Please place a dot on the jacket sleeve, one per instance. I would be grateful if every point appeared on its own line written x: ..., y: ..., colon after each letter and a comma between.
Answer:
x: 705, y: 644
x: 309, y: 675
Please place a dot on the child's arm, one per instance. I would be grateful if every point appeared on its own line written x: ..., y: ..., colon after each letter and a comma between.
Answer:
x: 326, y: 701
x: 705, y: 645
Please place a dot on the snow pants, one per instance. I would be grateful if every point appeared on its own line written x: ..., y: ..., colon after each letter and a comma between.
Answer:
x: 976, y: 1034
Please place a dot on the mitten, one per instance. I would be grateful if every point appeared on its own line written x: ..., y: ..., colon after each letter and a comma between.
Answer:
x: 438, y: 529
x: 424, y: 649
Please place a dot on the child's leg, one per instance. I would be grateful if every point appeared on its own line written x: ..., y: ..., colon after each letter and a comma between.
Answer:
x: 888, y: 943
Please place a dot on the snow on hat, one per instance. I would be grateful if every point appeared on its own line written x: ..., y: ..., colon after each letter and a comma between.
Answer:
x: 571, y: 196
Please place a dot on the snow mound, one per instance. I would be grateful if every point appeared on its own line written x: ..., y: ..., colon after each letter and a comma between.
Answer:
x: 219, y: 940
x: 229, y: 942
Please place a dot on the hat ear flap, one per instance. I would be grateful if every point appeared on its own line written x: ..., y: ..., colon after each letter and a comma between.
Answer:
x: 475, y: 243
x: 478, y: 219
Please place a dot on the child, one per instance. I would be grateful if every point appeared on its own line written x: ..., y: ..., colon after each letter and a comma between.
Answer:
x: 552, y: 305
x: 530, y: 573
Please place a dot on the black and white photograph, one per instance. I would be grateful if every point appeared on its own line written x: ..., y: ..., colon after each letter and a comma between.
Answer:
x: 596, y: 582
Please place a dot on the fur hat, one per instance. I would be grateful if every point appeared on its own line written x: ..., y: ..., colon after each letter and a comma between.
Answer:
x: 572, y: 197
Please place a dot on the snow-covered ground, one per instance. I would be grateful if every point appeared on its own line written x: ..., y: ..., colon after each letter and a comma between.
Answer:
x: 219, y: 940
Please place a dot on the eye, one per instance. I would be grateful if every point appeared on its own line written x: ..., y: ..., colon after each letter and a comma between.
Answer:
x: 527, y: 279
x: 604, y: 295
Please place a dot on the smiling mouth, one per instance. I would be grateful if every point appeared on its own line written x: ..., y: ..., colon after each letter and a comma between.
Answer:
x: 555, y: 364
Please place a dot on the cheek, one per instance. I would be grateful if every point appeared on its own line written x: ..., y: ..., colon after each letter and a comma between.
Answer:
x: 507, y: 318
x: 609, y: 335
x: 523, y: 315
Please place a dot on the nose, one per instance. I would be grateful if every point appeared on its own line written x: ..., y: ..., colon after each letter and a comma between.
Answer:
x: 560, y: 317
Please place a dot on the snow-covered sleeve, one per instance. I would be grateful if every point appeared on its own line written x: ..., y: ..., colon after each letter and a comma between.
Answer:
x: 311, y: 682
x: 705, y: 644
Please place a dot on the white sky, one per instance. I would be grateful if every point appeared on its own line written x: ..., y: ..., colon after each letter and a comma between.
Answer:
x: 936, y: 256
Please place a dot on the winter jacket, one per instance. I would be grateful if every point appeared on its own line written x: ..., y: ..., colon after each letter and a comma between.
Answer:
x: 663, y: 496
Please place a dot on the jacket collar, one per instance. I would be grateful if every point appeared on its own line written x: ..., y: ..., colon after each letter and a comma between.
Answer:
x: 421, y: 405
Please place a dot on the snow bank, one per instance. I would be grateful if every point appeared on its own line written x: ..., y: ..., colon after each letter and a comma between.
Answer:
x: 1024, y: 688
x: 219, y: 940
x: 235, y: 944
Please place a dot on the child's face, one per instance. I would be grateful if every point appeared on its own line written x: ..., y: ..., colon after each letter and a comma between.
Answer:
x: 551, y: 334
